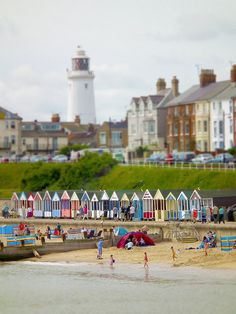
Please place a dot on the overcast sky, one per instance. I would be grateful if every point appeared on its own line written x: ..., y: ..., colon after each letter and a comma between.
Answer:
x: 131, y: 44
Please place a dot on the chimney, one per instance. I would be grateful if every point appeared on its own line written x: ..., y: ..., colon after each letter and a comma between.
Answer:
x: 233, y: 74
x: 207, y: 77
x: 77, y: 119
x: 161, y: 84
x: 55, y: 118
x: 175, y: 86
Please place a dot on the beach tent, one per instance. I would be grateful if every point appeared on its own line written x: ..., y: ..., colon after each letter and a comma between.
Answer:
x: 119, y: 231
x: 136, y: 235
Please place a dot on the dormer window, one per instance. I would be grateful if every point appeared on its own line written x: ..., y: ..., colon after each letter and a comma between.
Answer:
x: 13, y: 125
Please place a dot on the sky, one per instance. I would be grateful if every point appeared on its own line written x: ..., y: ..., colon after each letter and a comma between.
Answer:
x: 131, y: 44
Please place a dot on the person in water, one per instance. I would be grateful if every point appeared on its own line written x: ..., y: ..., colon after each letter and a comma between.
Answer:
x: 112, y: 261
x: 145, y: 260
x: 173, y: 253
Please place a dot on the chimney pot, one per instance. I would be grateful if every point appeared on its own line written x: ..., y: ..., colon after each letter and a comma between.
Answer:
x: 161, y: 84
x: 207, y: 77
x: 175, y: 86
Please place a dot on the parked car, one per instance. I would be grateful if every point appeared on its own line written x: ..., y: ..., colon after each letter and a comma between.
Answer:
x: 25, y: 158
x: 184, y: 157
x: 223, y: 158
x: 169, y: 159
x: 4, y: 160
x: 202, y: 158
x: 60, y: 158
x: 36, y: 158
x: 155, y: 158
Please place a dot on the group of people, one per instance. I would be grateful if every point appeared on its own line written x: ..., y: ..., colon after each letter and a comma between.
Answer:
x: 133, y: 241
x: 209, y: 214
x: 125, y: 213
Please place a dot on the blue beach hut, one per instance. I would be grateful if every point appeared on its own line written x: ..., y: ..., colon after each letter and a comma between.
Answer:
x: 137, y: 202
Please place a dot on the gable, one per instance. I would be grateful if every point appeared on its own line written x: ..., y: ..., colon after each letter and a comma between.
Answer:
x: 65, y: 196
x: 147, y: 195
x: 170, y: 197
x: 114, y: 197
x: 85, y: 197
x: 158, y: 195
x: 74, y: 197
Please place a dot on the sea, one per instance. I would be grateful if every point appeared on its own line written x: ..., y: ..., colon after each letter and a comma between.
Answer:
x: 66, y: 288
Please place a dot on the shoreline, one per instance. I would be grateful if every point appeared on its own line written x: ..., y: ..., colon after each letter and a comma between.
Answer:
x: 158, y: 254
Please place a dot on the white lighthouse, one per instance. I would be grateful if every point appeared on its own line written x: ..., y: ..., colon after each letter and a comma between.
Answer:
x: 81, y: 92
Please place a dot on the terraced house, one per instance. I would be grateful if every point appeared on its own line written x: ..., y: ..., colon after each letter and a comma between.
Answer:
x: 147, y: 116
x: 191, y: 117
x: 10, y: 132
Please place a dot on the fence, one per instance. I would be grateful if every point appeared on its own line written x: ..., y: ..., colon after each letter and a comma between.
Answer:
x: 192, y: 166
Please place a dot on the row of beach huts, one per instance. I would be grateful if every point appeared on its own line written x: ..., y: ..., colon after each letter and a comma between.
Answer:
x: 159, y: 205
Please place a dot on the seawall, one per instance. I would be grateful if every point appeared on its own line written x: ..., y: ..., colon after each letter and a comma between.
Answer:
x: 166, y: 230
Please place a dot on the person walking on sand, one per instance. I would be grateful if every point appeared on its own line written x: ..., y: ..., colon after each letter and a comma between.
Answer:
x: 100, y: 245
x: 112, y: 261
x: 206, y: 246
x: 145, y: 260
x: 173, y: 253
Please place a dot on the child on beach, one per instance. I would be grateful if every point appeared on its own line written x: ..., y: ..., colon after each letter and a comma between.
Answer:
x: 145, y: 260
x: 173, y: 254
x: 112, y: 261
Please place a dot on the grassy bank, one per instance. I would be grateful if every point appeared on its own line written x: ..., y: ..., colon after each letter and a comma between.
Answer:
x: 99, y: 174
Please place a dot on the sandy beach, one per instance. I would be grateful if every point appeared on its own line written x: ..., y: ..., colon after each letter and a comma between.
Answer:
x: 158, y: 254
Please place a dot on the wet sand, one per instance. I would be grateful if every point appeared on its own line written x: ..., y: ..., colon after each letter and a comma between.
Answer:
x: 158, y: 254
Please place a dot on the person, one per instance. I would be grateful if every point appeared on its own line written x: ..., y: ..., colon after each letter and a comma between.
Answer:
x: 127, y: 213
x: 100, y: 245
x: 206, y: 246
x: 21, y: 228
x: 112, y: 261
x: 132, y: 212
x: 59, y: 228
x: 173, y: 253
x: 204, y: 214
x: 221, y: 214
x: 208, y: 214
x: 81, y: 212
x: 85, y: 209
x: 142, y: 242
x: 48, y: 232
x: 122, y: 213
x: 145, y: 260
x: 195, y: 214
x: 38, y: 235
x: 115, y: 213
x: 215, y: 214
x: 129, y: 245
x: 27, y: 230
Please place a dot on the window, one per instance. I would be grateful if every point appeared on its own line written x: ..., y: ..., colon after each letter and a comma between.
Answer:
x: 221, y: 144
x: 151, y: 126
x: 199, y: 126
x: 215, y: 128
x: 102, y: 138
x: 176, y: 111
x: 186, y: 128
x: 86, y: 85
x: 205, y: 126
x: 176, y: 128
x: 231, y: 126
x: 116, y: 138
x: 220, y: 127
x: 13, y: 139
x: 51, y: 126
x: 170, y: 129
x: 230, y: 107
x: 205, y: 146
x: 13, y: 125
x: 214, y: 106
x: 133, y: 128
x: 7, y: 125
x: 23, y: 141
x: 187, y: 110
x: 220, y: 105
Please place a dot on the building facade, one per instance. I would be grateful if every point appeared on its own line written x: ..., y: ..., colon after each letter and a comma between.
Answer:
x: 147, y: 117
x: 10, y: 133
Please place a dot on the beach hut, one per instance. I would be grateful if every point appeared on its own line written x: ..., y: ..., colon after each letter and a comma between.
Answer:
x: 47, y: 204
x: 148, y: 210
x: 55, y: 204
x: 104, y: 204
x: 114, y: 202
x: 137, y: 202
x: 15, y: 201
x: 85, y: 203
x: 160, y: 205
x: 195, y: 204
x: 184, y: 212
x: 23, y: 200
x: 66, y: 211
x: 95, y: 204
x: 30, y: 204
x: 171, y: 206
x: 38, y: 205
x: 75, y: 203
x: 125, y: 199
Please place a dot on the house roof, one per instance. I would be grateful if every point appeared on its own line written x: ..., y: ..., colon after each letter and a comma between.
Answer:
x: 198, y: 93
x: 228, y: 93
x: 9, y: 115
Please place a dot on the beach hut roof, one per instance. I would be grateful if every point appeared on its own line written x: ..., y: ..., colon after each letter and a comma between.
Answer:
x: 216, y: 193
x: 85, y: 197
